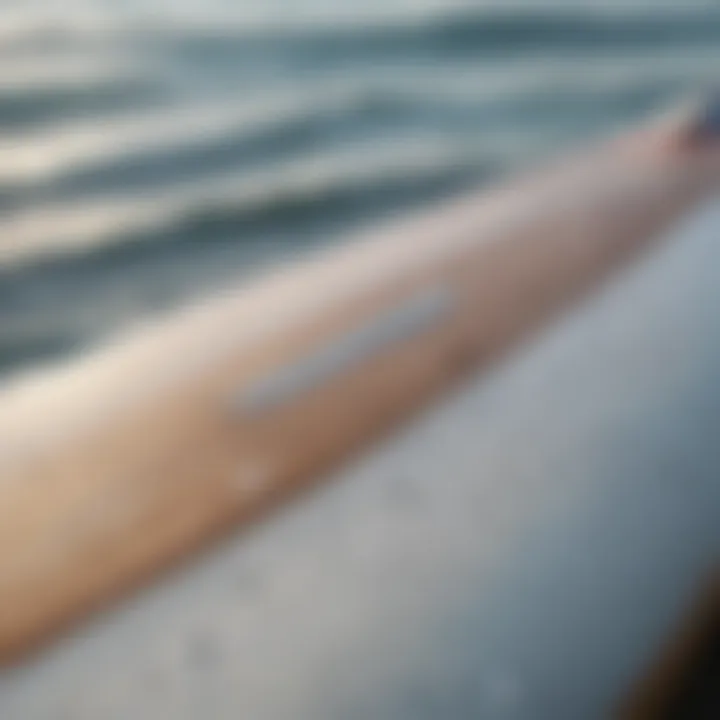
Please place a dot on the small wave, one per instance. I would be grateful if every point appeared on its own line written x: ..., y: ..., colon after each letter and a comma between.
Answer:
x: 170, y: 133
x: 45, y: 94
x: 164, y: 145
x: 304, y: 183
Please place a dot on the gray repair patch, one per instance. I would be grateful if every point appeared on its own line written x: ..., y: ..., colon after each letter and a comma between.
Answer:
x: 414, y: 315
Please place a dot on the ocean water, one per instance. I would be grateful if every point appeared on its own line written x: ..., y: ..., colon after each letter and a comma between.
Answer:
x: 152, y: 152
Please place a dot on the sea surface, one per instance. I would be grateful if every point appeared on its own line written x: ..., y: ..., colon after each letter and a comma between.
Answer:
x: 152, y: 152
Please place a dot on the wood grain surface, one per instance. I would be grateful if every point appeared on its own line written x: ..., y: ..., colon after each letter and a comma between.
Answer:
x: 115, y: 466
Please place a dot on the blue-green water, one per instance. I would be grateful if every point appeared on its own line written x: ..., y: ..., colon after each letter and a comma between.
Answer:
x: 152, y: 152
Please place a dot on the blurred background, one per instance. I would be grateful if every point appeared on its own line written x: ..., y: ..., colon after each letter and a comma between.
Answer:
x: 153, y: 151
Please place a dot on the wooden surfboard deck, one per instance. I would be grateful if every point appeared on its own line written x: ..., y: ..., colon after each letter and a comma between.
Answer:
x: 122, y: 462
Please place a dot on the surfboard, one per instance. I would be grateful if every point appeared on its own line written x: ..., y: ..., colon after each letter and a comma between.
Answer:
x: 123, y: 462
